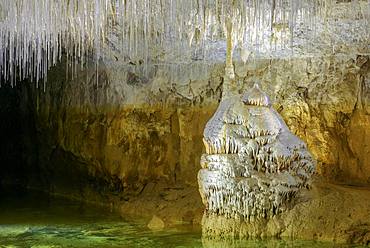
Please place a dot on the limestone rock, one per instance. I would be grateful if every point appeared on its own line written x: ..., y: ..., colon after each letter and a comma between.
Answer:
x: 90, y: 142
x: 328, y: 212
x: 156, y: 224
x: 253, y: 164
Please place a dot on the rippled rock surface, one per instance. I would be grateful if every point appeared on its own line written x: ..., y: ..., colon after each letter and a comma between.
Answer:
x: 253, y: 166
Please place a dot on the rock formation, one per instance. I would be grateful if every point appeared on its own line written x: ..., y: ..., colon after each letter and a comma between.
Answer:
x: 253, y: 164
x: 109, y: 144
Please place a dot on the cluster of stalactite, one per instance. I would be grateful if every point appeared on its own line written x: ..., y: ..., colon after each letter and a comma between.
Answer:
x: 35, y: 33
x: 253, y: 166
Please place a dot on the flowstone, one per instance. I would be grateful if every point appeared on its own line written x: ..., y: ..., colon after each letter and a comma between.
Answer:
x: 253, y: 166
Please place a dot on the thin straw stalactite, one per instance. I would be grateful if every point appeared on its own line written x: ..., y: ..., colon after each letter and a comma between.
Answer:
x: 35, y: 34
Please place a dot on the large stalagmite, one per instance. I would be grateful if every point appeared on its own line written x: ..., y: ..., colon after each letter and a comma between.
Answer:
x: 253, y: 166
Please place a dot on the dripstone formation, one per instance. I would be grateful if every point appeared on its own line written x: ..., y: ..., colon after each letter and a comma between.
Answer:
x: 253, y: 166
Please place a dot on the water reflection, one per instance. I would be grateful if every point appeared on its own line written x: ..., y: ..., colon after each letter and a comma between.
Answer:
x: 272, y: 243
x: 34, y: 220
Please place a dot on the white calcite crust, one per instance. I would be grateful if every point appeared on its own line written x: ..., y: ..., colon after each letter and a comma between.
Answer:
x: 253, y: 165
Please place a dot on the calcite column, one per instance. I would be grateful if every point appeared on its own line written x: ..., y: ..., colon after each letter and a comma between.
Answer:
x: 253, y: 166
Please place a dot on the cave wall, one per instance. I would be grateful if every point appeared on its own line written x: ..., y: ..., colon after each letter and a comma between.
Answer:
x: 18, y: 139
x: 325, y: 101
x: 119, y: 134
x: 90, y: 146
x: 10, y: 144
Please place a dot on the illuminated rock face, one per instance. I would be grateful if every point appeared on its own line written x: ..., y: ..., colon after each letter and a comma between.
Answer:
x: 253, y: 165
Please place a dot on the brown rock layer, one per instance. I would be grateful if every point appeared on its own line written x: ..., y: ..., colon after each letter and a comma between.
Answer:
x: 325, y: 101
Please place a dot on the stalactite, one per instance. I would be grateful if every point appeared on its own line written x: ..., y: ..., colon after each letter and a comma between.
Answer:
x: 168, y: 33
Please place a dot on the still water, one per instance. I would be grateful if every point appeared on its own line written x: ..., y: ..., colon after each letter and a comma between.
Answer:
x: 38, y: 221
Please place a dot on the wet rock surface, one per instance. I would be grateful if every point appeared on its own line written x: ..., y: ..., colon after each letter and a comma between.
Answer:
x: 328, y: 212
x: 156, y: 224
